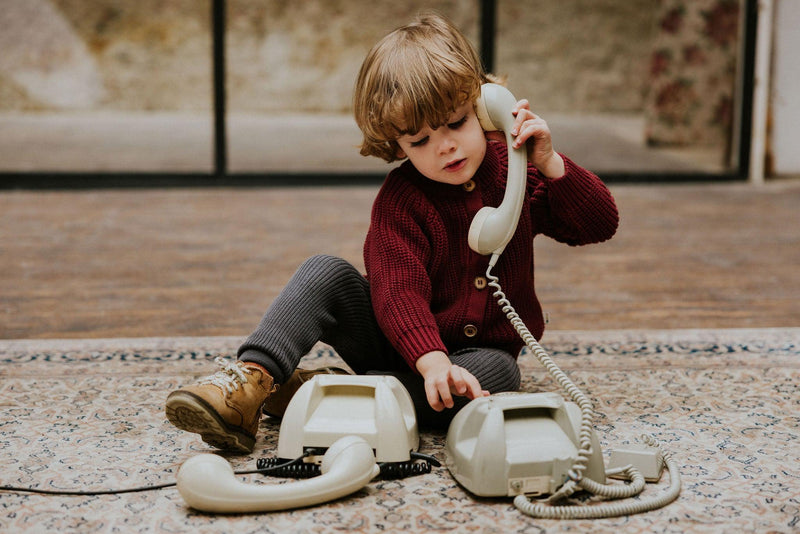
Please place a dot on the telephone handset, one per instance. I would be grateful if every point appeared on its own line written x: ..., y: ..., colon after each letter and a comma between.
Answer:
x: 492, y: 228
x: 207, y: 482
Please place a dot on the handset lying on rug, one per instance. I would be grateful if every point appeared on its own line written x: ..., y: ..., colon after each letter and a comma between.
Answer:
x: 522, y: 444
x: 380, y: 426
x: 207, y: 482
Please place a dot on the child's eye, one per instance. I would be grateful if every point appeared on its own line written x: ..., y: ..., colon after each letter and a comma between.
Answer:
x: 457, y: 124
x: 419, y: 142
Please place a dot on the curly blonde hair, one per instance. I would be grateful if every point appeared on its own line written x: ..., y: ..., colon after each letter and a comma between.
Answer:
x: 418, y: 74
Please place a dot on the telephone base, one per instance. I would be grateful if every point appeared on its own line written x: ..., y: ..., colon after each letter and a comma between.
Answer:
x: 375, y: 408
x: 517, y: 443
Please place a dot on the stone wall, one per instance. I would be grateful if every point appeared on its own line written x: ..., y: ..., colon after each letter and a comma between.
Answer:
x: 577, y: 55
x: 566, y: 55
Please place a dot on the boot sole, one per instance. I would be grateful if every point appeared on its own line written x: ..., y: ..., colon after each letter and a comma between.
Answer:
x: 191, y: 413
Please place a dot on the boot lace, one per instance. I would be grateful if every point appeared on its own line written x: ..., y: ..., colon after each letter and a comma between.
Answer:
x: 229, y: 378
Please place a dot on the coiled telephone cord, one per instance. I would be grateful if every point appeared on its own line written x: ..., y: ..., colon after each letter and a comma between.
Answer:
x: 576, y: 480
x: 389, y: 470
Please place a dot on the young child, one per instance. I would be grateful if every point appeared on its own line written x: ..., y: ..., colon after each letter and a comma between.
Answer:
x: 423, y: 312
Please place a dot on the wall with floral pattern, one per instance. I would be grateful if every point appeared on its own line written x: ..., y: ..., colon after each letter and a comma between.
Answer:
x: 692, y: 79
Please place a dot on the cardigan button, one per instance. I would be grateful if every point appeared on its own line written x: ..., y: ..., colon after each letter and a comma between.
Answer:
x: 470, y: 330
x: 469, y: 186
x: 480, y: 282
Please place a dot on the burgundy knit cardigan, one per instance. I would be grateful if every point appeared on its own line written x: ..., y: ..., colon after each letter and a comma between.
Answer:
x: 428, y: 287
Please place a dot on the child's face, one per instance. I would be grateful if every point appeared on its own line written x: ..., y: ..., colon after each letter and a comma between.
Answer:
x: 450, y: 154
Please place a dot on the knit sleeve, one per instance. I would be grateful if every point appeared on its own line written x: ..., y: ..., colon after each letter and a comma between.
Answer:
x: 396, y: 252
x: 576, y: 209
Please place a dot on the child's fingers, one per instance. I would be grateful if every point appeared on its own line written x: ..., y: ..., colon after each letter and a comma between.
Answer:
x: 535, y: 128
x: 438, y: 393
x: 466, y: 384
x: 475, y: 390
x: 445, y: 395
x: 432, y: 393
x: 522, y: 112
x: 457, y: 378
x: 521, y: 104
x: 459, y: 381
x: 522, y: 120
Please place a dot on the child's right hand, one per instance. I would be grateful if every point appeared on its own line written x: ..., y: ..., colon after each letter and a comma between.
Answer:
x: 443, y: 380
x: 532, y: 131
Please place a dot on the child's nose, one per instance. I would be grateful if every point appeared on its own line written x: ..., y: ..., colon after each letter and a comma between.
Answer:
x: 447, y: 144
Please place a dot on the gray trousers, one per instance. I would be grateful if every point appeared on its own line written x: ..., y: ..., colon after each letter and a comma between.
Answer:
x: 328, y: 300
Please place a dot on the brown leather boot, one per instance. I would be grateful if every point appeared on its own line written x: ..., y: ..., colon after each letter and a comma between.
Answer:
x: 223, y: 408
x: 275, y: 405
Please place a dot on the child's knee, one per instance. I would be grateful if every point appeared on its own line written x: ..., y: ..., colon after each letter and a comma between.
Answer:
x: 322, y: 267
x: 329, y: 277
x: 323, y: 262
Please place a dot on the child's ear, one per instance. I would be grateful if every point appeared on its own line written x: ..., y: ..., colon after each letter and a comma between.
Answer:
x: 400, y: 154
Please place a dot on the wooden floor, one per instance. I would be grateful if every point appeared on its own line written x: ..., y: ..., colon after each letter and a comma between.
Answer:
x: 203, y: 262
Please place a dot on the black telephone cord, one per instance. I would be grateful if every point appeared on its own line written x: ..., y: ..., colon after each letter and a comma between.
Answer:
x: 389, y: 470
x: 91, y: 493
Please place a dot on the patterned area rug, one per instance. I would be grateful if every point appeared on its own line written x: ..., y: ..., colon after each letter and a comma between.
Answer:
x: 89, y: 415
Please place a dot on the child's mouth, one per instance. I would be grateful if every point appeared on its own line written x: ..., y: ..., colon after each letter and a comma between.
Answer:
x: 455, y: 165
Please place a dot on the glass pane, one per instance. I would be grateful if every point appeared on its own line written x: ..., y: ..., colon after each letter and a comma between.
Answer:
x: 103, y: 85
x: 291, y: 70
x: 628, y: 86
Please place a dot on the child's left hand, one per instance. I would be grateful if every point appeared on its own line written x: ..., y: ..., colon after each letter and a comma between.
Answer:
x: 534, y: 132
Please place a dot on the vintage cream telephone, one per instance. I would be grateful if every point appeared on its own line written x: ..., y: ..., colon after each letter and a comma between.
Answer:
x: 356, y: 421
x: 522, y: 444
x: 515, y: 444
x: 207, y: 482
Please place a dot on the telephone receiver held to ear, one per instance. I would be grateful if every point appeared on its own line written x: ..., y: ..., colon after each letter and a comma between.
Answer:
x: 207, y: 482
x: 492, y: 228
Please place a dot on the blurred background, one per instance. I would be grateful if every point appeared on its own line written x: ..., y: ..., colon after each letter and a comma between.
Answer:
x: 152, y: 153
x: 631, y: 87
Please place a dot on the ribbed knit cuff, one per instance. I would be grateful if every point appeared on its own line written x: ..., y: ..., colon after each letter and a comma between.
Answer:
x: 413, y: 344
